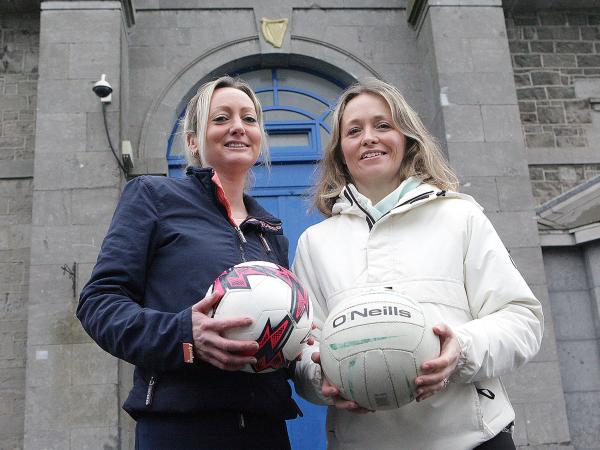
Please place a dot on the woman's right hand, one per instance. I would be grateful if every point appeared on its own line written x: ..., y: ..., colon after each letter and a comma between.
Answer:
x: 211, y: 346
x: 328, y: 389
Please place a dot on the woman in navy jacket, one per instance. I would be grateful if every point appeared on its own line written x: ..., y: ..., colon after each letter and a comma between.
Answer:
x: 144, y: 303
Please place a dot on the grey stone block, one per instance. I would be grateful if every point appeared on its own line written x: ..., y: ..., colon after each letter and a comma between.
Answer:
x: 92, y: 438
x: 542, y: 46
x: 572, y: 311
x: 483, y: 189
x: 90, y: 59
x: 501, y: 123
x: 540, y: 140
x: 547, y: 423
x: 574, y: 47
x: 559, y: 279
x: 514, y: 194
x: 63, y: 245
x: 160, y: 37
x: 578, y: 111
x: 491, y: 55
x: 453, y: 55
x: 517, y: 229
x: 558, y: 33
x: 463, y: 123
x: 77, y: 170
x: 558, y: 61
x: 52, y: 208
x: 49, y: 365
x: 64, y: 407
x: 522, y: 79
x: 590, y: 33
x: 96, y: 139
x: 66, y: 26
x: 46, y: 439
x: 523, y: 61
x: 94, y: 206
x: 551, y: 114
x: 92, y: 365
x: 545, y: 77
x: 560, y: 92
x: 57, y: 326
x: 579, y: 365
x: 468, y: 22
x: 531, y: 93
x: 53, y: 61
x: 583, y: 409
x: 592, y: 261
x: 49, y: 284
x: 588, y: 60
x: 526, y: 387
x: 487, y: 158
x: 478, y: 88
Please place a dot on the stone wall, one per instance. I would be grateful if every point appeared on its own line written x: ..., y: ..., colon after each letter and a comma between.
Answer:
x: 19, y: 42
x: 551, y: 51
x: 573, y: 311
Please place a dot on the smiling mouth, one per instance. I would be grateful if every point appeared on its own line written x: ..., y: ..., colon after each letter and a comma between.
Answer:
x: 369, y: 155
x: 236, y: 145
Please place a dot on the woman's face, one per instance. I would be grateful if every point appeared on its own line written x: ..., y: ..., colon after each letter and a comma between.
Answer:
x: 233, y: 134
x: 373, y: 149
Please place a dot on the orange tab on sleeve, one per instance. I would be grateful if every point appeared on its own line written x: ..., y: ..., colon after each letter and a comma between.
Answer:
x: 188, y: 353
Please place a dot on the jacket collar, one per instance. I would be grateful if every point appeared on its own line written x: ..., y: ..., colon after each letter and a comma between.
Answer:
x: 257, y: 215
x: 346, y: 202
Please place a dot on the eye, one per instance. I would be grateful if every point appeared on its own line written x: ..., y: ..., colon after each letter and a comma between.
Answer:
x: 352, y: 131
x: 250, y: 119
x: 220, y: 118
x: 383, y: 125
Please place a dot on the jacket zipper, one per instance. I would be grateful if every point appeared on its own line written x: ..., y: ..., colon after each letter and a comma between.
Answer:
x: 264, y: 243
x: 242, y: 240
x: 150, y: 392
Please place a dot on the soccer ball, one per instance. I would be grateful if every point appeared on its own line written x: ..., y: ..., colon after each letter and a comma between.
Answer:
x: 278, y: 304
x: 373, y: 345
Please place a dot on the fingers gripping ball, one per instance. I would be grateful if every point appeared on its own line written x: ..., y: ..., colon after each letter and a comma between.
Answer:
x: 278, y: 305
x: 372, y: 348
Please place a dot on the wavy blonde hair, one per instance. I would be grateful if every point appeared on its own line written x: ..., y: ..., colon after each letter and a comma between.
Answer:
x: 422, y: 156
x: 195, y: 119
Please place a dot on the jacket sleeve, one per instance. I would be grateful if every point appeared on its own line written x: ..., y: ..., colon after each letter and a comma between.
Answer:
x: 111, y: 305
x: 507, y: 326
x: 307, y: 378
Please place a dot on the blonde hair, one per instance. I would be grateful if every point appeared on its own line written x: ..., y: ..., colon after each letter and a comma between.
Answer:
x: 422, y: 157
x: 195, y: 119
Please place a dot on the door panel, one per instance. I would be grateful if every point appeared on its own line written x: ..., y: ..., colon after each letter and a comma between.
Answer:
x: 284, y: 193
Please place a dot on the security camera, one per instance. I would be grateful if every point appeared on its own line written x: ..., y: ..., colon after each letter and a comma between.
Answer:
x: 103, y: 89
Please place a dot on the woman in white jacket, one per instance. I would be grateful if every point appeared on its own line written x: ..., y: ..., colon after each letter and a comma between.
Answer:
x: 395, y: 221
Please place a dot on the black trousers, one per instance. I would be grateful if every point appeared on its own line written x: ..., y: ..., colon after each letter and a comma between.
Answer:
x: 502, y: 441
x: 217, y: 430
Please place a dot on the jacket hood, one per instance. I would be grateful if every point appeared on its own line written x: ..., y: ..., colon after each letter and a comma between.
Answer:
x: 347, y: 203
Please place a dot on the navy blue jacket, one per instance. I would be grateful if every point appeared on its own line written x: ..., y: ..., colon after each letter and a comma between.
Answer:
x: 168, y: 240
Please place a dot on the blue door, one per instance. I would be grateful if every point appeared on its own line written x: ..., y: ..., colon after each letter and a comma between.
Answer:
x: 297, y: 107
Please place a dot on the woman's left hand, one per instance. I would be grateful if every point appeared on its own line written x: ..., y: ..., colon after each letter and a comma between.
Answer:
x: 435, y: 373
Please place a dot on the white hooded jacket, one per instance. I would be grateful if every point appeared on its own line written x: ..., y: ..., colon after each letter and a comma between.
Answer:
x: 438, y: 248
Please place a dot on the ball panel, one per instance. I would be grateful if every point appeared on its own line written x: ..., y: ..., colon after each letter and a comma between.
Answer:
x: 352, y: 374
x: 403, y: 371
x: 378, y: 382
x: 352, y: 340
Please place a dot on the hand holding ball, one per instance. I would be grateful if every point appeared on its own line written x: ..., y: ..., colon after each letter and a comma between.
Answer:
x: 278, y: 304
x: 372, y: 348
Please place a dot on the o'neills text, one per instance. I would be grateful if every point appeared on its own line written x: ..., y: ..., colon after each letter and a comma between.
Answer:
x: 366, y: 312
